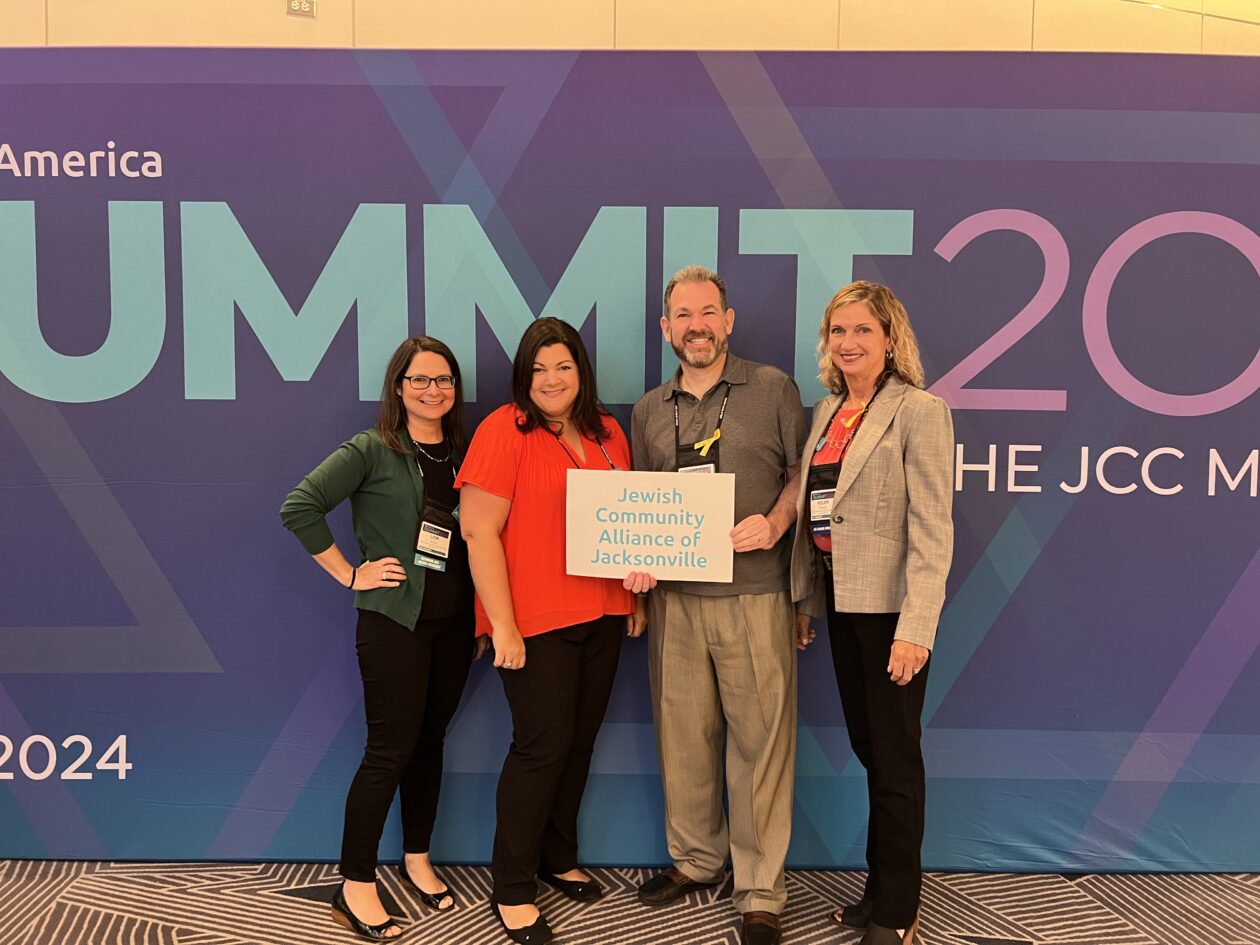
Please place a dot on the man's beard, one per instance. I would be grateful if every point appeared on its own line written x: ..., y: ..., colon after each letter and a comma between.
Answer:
x: 719, y: 349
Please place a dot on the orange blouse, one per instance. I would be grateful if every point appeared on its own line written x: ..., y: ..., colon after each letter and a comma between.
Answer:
x: 529, y: 469
x: 831, y: 449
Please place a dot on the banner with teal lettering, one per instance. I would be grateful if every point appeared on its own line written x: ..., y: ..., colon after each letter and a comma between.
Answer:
x: 207, y: 255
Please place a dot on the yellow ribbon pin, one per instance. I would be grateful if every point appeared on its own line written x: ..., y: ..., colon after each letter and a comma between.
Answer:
x: 704, y: 445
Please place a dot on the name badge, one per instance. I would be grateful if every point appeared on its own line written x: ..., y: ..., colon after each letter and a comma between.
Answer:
x: 820, y: 504
x: 433, y: 547
x: 702, y: 468
x: 820, y: 511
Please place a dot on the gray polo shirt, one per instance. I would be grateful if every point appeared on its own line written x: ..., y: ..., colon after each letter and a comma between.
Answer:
x: 763, y: 433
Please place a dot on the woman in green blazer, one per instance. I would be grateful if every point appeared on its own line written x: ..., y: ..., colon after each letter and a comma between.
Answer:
x: 414, y: 595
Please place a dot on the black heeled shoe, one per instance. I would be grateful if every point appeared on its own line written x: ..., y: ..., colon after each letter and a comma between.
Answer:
x: 537, y: 934
x: 856, y: 915
x: 579, y: 890
x: 432, y: 900
x: 342, y: 915
x: 879, y: 935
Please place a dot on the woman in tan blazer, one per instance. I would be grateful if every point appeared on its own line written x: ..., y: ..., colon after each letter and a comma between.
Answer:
x: 874, y: 540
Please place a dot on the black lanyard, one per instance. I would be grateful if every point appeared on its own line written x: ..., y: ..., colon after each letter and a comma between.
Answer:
x: 573, y: 459
x: 716, y: 430
x: 855, y: 426
x: 428, y: 499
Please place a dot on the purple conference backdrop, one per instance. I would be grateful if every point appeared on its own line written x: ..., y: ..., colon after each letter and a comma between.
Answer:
x: 206, y: 255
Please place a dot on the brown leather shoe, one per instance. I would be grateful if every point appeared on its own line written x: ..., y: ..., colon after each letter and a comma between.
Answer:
x: 760, y: 928
x: 669, y: 886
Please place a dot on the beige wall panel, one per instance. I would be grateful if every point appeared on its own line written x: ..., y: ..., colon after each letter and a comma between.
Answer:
x: 485, y: 24
x: 1227, y: 38
x: 1114, y: 26
x: 930, y: 24
x: 1237, y: 9
x: 195, y: 23
x: 22, y: 23
x: 726, y: 24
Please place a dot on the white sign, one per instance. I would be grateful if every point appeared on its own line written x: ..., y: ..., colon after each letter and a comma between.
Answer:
x: 674, y: 526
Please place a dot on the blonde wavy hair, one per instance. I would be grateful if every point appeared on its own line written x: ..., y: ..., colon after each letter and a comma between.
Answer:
x: 892, y: 316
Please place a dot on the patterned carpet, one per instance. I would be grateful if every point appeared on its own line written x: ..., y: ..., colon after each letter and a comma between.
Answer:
x: 286, y: 904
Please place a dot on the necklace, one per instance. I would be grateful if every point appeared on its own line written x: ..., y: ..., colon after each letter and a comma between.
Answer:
x: 433, y: 458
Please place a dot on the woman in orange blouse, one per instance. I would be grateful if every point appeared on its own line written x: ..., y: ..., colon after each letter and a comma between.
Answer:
x: 556, y: 636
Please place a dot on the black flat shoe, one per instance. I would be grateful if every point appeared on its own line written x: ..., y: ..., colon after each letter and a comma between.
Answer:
x: 537, y: 934
x: 432, y: 900
x: 579, y: 890
x: 856, y: 915
x: 342, y: 915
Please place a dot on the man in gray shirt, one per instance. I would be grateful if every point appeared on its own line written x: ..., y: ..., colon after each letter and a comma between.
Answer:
x: 722, y: 658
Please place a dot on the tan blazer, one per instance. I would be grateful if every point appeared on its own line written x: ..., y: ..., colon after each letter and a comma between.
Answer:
x: 892, y: 531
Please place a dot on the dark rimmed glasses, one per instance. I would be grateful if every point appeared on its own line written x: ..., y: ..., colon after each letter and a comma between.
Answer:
x: 422, y: 381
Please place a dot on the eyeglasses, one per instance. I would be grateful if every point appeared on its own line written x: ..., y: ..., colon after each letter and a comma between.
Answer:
x: 422, y: 381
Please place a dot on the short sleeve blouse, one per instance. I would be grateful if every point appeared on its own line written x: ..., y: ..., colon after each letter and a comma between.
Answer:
x: 529, y: 469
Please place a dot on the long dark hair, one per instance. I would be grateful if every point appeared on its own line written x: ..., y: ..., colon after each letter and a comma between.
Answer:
x: 587, y: 414
x: 391, y: 419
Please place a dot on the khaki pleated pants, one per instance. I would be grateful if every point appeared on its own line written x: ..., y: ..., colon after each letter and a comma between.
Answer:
x: 723, y: 673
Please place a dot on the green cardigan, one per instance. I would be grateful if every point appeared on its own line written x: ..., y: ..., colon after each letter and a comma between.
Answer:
x: 386, y: 493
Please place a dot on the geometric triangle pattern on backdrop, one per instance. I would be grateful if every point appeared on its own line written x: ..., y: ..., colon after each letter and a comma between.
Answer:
x: 467, y: 108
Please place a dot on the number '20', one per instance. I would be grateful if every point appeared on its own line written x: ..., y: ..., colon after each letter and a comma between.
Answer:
x: 952, y: 386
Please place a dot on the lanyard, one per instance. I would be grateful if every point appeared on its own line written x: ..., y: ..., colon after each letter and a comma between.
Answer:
x: 573, y: 459
x: 420, y: 468
x: 853, y: 425
x: 717, y: 430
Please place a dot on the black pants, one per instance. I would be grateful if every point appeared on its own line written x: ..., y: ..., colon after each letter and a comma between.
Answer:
x: 558, y: 702
x: 412, y: 681
x: 884, y: 729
